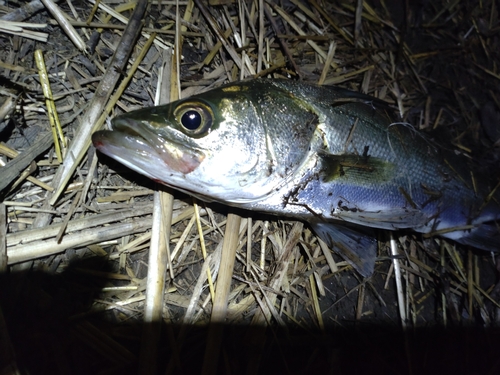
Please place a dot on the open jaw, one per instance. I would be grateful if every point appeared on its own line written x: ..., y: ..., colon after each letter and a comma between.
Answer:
x: 140, y: 149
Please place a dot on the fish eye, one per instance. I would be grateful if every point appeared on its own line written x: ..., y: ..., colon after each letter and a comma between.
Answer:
x: 191, y: 120
x: 195, y: 118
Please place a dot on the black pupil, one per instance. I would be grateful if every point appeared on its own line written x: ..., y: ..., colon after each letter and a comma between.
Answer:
x: 191, y: 120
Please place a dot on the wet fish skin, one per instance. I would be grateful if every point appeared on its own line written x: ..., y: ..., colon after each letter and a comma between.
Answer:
x: 320, y: 154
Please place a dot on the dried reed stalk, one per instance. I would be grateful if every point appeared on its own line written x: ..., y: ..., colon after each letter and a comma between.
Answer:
x: 90, y: 122
x: 62, y: 19
x: 38, y: 249
x: 364, y: 48
x: 219, y: 309
x: 43, y: 234
x: 3, y: 239
x: 14, y: 167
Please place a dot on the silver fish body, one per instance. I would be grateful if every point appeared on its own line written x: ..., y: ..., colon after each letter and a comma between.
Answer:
x: 316, y: 153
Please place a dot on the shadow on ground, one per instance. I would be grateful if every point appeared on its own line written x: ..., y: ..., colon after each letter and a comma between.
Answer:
x: 52, y: 331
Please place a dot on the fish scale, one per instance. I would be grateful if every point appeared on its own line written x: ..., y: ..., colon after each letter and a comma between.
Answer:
x: 325, y: 155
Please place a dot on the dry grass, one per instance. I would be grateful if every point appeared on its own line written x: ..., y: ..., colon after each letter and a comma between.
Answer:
x: 79, y: 226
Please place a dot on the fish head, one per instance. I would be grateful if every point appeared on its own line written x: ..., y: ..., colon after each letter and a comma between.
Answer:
x: 216, y: 145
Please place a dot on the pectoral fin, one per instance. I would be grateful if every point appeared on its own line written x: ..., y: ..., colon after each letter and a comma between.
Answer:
x: 355, y: 169
x: 358, y: 249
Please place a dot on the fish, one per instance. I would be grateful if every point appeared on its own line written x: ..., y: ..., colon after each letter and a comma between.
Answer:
x: 331, y: 157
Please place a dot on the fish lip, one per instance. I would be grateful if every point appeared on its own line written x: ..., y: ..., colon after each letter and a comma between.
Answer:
x: 128, y: 126
x: 176, y: 156
x: 131, y: 127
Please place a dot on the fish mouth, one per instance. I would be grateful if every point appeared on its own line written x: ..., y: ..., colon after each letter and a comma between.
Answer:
x: 137, y: 146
